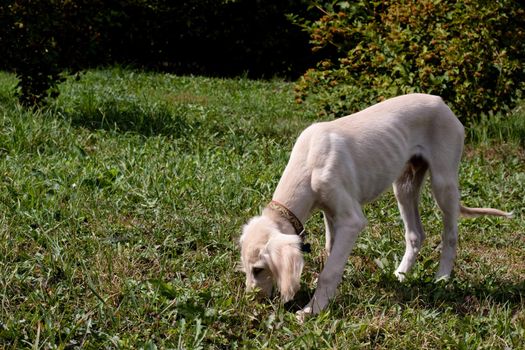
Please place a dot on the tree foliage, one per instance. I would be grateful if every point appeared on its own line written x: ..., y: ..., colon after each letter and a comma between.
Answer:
x: 469, y: 52
x: 43, y: 38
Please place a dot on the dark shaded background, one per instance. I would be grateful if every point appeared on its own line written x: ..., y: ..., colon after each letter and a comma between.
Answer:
x: 212, y: 37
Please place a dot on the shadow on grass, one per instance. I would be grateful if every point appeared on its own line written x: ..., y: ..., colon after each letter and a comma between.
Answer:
x: 464, y: 297
x: 299, y: 301
x: 147, y: 120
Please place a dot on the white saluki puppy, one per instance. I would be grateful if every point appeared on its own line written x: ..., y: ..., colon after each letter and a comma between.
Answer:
x: 338, y: 166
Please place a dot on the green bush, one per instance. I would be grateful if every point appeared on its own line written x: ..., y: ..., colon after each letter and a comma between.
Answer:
x: 469, y: 52
x: 42, y: 38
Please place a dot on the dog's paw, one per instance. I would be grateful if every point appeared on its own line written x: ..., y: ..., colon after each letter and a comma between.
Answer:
x: 442, y: 278
x: 301, y: 315
x: 400, y: 276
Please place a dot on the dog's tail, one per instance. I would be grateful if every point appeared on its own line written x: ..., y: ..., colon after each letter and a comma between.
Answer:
x: 475, y: 212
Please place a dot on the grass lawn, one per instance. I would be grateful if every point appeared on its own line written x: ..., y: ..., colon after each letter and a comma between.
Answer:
x: 121, y: 205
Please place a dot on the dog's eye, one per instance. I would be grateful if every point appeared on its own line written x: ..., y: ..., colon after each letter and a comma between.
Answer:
x: 257, y: 270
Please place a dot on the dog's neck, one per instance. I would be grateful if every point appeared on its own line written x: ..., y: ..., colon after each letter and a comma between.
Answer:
x: 284, y: 225
x: 286, y: 218
x: 294, y: 192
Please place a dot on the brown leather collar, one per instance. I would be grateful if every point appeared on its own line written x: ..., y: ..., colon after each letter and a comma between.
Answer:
x: 288, y: 215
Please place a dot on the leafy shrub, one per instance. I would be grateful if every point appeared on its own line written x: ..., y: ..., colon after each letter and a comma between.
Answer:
x: 469, y: 52
x: 43, y: 37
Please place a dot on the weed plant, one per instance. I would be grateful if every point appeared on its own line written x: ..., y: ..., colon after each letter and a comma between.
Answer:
x: 121, y: 205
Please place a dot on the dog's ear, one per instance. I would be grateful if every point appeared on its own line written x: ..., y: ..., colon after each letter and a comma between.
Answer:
x: 285, y: 259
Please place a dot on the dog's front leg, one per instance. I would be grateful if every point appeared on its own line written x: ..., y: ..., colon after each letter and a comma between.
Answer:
x: 329, y: 233
x: 346, y: 229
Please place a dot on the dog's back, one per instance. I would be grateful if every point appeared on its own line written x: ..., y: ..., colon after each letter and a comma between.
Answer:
x: 427, y: 114
x: 379, y: 140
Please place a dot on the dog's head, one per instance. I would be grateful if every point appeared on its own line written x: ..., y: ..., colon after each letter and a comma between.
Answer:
x: 270, y: 258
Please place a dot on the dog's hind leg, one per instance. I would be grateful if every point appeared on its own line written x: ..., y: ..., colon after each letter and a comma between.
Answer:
x: 446, y: 193
x: 407, y: 189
